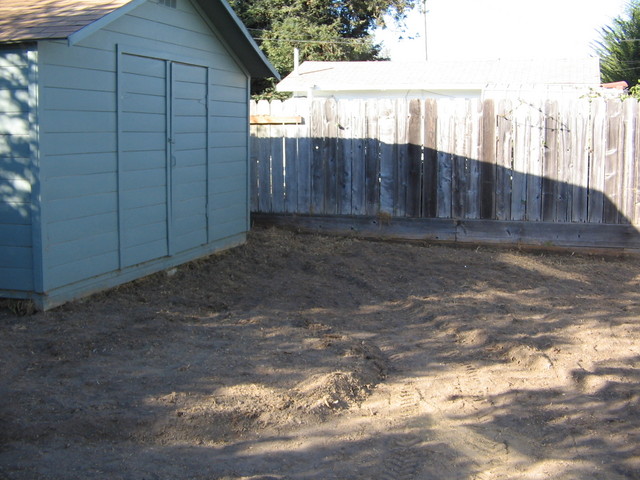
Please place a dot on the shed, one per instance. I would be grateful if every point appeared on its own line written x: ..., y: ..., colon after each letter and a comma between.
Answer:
x: 123, y: 140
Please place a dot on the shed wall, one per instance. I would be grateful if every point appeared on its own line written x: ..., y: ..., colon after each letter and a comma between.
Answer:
x: 16, y: 169
x: 82, y: 163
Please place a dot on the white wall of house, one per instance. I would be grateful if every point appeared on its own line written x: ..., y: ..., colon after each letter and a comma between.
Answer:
x: 370, y: 94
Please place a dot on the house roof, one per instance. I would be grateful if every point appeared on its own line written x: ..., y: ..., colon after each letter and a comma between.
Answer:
x: 32, y: 20
x: 455, y: 75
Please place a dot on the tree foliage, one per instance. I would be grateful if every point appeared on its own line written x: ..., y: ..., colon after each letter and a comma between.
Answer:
x: 619, y: 47
x: 320, y: 29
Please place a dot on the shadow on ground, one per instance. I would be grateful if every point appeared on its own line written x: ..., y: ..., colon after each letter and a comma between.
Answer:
x: 300, y: 356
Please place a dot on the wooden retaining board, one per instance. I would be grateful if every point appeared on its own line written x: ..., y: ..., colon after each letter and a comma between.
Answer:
x: 582, y: 236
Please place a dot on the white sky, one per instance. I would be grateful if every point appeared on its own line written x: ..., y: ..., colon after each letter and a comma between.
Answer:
x: 490, y: 29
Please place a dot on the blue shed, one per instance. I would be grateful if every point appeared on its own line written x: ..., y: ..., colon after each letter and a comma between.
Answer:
x: 124, y: 138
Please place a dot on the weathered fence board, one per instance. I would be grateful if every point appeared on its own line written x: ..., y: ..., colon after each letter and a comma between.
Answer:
x: 579, y: 161
x: 429, y: 160
x: 318, y: 163
x: 487, y: 150
x: 634, y: 212
x: 522, y: 146
x: 413, y: 192
x: 387, y: 148
x: 460, y: 172
x: 596, y: 168
x: 344, y: 157
x: 278, y: 161
x: 629, y: 161
x: 263, y: 166
x: 402, y: 160
x: 473, y: 154
x: 445, y: 129
x: 358, y: 158
x: 372, y: 159
x: 304, y: 166
x: 549, y: 168
x: 562, y: 178
x: 510, y: 161
x: 503, y: 161
x: 535, y: 164
x: 291, y: 161
x: 613, y: 163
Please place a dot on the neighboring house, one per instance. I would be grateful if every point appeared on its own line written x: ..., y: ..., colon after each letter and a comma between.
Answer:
x: 438, y: 79
x: 123, y: 140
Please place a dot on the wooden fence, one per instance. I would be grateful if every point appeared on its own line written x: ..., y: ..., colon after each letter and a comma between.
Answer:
x: 573, y: 163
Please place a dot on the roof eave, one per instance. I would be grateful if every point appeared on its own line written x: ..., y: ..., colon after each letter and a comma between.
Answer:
x: 233, y: 30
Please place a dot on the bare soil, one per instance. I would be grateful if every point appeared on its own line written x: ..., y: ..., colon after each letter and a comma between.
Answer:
x: 309, y: 357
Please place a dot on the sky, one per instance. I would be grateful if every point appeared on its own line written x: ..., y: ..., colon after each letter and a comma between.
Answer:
x: 491, y: 29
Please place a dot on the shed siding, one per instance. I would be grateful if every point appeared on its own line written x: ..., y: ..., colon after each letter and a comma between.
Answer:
x: 16, y: 171
x: 78, y: 164
x: 79, y: 141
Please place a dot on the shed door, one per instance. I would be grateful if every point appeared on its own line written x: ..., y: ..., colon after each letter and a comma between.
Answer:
x: 189, y: 156
x: 163, y: 157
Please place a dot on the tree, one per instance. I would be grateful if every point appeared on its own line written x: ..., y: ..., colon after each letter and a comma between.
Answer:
x: 619, y: 47
x: 320, y: 29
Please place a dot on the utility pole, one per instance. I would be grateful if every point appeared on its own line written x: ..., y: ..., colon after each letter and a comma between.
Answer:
x: 426, y: 51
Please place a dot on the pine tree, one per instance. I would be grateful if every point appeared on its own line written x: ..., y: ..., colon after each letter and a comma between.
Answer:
x: 320, y: 29
x: 619, y: 47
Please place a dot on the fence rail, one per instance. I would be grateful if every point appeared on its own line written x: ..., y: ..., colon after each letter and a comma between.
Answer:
x: 571, y: 162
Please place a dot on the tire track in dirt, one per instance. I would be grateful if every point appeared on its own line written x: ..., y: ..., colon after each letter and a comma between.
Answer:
x: 405, y: 456
x: 470, y: 443
x: 438, y: 444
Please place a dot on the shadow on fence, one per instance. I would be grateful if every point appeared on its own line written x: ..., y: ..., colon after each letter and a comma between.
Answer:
x: 348, y: 186
x: 497, y: 171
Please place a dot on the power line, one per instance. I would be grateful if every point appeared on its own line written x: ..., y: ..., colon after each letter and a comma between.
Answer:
x: 346, y: 41
x: 634, y: 69
x: 294, y: 40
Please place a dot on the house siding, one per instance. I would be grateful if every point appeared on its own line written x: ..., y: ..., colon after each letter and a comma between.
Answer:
x: 16, y: 169
x: 104, y: 188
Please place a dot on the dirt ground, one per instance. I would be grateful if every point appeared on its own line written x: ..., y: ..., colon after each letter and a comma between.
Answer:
x: 308, y: 357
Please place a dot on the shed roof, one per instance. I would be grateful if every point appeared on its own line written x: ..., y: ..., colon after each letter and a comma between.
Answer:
x: 24, y: 20
x: 473, y: 74
x: 31, y: 20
